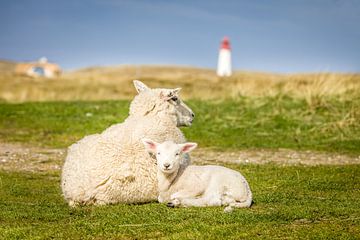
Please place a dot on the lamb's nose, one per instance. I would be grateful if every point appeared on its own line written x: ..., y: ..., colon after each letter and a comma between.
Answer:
x: 167, y: 165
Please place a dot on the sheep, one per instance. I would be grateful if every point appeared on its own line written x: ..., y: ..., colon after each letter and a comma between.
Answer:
x: 112, y: 167
x: 197, y: 186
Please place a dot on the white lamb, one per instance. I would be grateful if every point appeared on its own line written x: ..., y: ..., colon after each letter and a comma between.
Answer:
x: 112, y: 167
x: 197, y: 186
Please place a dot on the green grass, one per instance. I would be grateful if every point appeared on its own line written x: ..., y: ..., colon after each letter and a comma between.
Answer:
x: 247, y: 122
x: 290, y: 203
x: 58, y: 124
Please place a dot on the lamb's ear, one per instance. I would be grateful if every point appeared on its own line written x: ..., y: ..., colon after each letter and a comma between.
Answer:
x: 140, y: 87
x: 149, y: 144
x: 188, y: 147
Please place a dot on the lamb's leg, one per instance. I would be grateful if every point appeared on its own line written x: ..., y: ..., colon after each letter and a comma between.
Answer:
x: 188, y: 202
x: 230, y: 203
x: 175, y: 198
x: 179, y: 199
x: 199, y: 202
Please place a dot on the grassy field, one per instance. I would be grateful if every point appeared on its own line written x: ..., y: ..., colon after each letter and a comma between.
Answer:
x: 290, y: 203
x: 267, y: 122
x: 317, y: 112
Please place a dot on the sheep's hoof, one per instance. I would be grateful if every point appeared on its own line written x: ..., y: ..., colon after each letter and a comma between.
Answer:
x: 170, y: 204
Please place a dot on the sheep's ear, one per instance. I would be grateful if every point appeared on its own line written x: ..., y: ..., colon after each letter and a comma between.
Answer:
x: 167, y: 94
x: 175, y: 91
x: 140, y: 87
x: 188, y: 147
x: 149, y: 144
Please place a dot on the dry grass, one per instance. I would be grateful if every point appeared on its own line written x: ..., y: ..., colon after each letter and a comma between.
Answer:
x: 108, y: 83
x: 7, y: 66
x: 25, y: 158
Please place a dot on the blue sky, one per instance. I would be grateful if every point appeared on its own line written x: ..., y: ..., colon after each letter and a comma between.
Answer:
x: 276, y: 36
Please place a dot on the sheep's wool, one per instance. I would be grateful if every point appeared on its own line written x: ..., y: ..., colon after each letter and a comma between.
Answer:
x: 113, y: 167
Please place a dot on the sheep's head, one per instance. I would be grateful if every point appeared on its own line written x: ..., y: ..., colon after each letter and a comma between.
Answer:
x: 162, y: 102
x: 168, y: 154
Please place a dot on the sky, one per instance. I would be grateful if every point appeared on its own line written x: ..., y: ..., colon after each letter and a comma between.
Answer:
x: 285, y: 36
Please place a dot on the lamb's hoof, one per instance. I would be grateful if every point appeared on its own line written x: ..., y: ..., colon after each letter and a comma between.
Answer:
x: 228, y: 209
x: 170, y: 204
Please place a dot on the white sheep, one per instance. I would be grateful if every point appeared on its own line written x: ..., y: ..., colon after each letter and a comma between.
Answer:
x: 197, y: 186
x: 112, y: 167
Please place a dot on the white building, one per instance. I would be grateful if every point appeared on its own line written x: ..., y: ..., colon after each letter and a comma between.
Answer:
x: 41, y: 68
x: 224, y: 61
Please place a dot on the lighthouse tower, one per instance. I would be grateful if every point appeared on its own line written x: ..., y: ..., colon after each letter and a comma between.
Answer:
x: 224, y: 62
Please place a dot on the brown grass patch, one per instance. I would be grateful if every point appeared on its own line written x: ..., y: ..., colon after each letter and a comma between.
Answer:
x: 18, y: 157
x: 109, y: 83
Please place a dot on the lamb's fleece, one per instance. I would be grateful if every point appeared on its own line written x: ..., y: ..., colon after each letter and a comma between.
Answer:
x: 112, y: 167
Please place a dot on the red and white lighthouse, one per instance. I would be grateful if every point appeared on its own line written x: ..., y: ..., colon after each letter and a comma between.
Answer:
x: 224, y: 61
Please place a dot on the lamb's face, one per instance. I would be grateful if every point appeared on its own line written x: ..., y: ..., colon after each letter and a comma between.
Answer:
x: 168, y: 154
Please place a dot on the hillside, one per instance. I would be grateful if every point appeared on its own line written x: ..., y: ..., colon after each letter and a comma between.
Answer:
x: 7, y: 66
x: 106, y: 83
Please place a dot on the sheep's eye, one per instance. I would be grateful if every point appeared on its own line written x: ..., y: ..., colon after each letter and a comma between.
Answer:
x: 158, y: 153
x: 174, y: 99
x: 177, y: 154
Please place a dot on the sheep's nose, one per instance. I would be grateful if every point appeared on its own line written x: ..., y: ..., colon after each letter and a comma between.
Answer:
x: 166, y: 165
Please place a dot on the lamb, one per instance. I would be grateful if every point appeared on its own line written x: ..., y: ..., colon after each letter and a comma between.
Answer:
x: 197, y: 186
x: 112, y: 167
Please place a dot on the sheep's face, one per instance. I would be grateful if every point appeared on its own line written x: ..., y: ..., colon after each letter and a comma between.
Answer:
x: 184, y: 115
x: 161, y: 101
x: 168, y: 154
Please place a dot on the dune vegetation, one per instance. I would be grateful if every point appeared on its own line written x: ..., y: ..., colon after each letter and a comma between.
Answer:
x: 114, y: 83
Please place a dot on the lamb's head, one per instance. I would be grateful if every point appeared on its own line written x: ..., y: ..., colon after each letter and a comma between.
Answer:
x: 168, y: 154
x: 162, y: 102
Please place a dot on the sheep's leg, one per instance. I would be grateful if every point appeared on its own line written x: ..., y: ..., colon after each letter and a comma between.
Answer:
x: 73, y: 204
x: 160, y: 199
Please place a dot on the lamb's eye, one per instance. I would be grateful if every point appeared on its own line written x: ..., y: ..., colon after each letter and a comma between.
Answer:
x: 174, y: 99
x: 158, y: 153
x: 177, y: 154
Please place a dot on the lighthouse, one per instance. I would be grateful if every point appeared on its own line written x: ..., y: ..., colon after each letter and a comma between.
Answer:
x: 224, y: 61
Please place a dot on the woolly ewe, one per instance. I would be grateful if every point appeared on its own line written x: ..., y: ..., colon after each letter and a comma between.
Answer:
x: 112, y: 167
x: 197, y: 186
